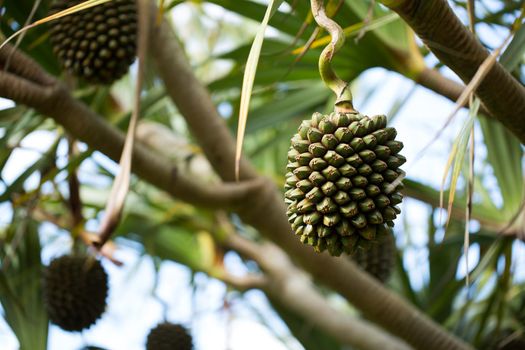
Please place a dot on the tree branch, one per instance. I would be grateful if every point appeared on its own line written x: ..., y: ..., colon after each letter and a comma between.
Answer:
x: 34, y: 88
x: 266, y: 210
x: 177, y: 148
x: 439, y: 28
x: 241, y: 283
x: 291, y: 287
x: 194, y: 102
x: 23, y: 66
x: 263, y: 207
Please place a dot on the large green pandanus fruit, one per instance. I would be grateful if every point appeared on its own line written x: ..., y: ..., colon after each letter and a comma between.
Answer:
x: 343, y: 181
x: 97, y: 44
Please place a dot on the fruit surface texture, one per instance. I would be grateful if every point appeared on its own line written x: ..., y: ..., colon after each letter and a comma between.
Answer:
x: 169, y: 336
x: 96, y: 44
x: 343, y: 181
x: 75, y: 292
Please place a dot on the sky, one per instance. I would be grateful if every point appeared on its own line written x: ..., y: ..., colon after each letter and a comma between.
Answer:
x: 135, y: 305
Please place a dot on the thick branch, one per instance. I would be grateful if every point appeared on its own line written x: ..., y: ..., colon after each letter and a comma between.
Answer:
x: 266, y: 210
x: 55, y: 101
x: 437, y: 25
x: 23, y: 66
x: 290, y: 286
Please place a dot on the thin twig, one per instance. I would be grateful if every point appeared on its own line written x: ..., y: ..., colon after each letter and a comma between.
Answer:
x: 74, y: 202
x: 306, y: 47
x: 519, y: 215
x: 242, y: 283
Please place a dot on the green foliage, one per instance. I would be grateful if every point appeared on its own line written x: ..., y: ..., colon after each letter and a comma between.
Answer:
x: 20, y: 281
x: 286, y: 90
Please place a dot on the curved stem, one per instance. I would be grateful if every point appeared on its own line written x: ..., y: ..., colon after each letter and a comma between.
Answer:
x: 341, y: 88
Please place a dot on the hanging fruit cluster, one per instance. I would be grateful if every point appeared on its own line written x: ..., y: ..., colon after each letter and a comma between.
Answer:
x: 75, y: 292
x: 343, y: 177
x: 341, y: 186
x: 169, y: 336
x: 97, y: 44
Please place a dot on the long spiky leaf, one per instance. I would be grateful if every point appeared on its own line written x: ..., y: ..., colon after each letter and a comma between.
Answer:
x: 249, y: 77
x: 456, y: 157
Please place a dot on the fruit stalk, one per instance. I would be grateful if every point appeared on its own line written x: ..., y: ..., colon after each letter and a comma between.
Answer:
x: 341, y: 88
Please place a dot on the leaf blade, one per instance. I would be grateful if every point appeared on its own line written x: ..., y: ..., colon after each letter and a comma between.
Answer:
x: 249, y: 77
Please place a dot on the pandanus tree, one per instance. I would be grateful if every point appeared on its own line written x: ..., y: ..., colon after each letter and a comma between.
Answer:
x: 306, y: 199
